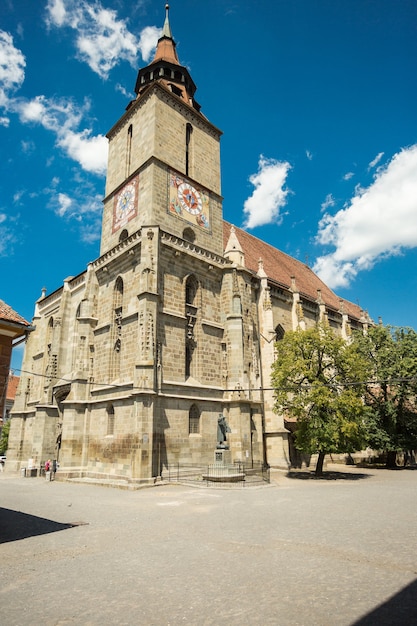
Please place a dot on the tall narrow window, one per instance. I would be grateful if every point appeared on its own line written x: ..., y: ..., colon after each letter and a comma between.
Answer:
x: 110, y: 419
x: 194, y: 420
x: 117, y: 327
x: 191, y: 316
x: 129, y: 149
x: 49, y: 363
x: 188, y: 132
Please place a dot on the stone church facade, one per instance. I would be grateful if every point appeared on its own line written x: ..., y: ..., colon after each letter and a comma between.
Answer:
x: 133, y: 362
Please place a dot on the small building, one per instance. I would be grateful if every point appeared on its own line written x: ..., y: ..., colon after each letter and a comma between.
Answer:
x: 12, y: 386
x: 13, y: 330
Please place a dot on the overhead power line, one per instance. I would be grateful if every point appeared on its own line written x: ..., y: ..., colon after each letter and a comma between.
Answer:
x: 296, y: 386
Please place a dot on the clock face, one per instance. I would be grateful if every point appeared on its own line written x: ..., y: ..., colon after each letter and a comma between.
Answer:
x: 125, y: 205
x: 188, y: 202
x: 126, y: 200
x: 190, y: 199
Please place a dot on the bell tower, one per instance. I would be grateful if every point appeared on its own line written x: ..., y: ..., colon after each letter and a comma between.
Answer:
x: 164, y: 159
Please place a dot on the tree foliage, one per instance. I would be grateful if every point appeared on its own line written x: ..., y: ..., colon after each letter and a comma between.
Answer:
x: 391, y: 390
x: 4, y: 438
x: 315, y: 378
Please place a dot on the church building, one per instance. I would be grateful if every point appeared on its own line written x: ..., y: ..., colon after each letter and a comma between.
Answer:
x: 133, y: 363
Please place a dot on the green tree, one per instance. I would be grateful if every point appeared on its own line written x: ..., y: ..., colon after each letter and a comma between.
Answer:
x: 391, y: 390
x: 315, y: 378
x: 4, y: 438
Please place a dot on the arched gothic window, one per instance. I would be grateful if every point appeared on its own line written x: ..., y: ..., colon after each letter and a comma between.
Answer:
x: 129, y: 149
x: 188, y: 134
x: 191, y: 310
x: 110, y: 419
x: 191, y: 287
x: 194, y: 420
x: 279, y: 333
x: 189, y: 235
x: 123, y: 235
x: 117, y: 326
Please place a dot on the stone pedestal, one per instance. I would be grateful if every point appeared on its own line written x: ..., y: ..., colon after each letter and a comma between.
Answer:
x: 222, y: 456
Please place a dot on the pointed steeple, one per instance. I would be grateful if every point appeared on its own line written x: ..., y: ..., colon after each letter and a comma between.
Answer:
x: 165, y: 49
x: 166, y: 31
x: 234, y: 251
x: 167, y: 70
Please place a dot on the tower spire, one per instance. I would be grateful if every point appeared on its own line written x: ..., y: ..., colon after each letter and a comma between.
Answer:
x: 166, y: 32
x: 165, y: 48
x: 167, y: 70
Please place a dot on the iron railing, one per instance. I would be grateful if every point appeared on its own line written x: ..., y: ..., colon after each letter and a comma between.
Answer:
x: 233, y: 475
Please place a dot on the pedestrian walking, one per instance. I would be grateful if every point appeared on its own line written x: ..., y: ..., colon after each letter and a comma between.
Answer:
x: 48, y: 469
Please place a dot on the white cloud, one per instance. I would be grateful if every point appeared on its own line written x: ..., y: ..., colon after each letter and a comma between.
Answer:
x: 57, y: 12
x: 122, y: 90
x: 83, y: 208
x: 28, y: 147
x: 17, y: 196
x: 64, y: 204
x: 53, y: 114
x: 309, y: 155
x: 328, y: 202
x: 102, y: 40
x: 12, y: 69
x: 269, y: 196
x: 62, y: 117
x: 376, y: 160
x: 7, y: 235
x: 348, y: 175
x: 379, y: 221
x: 89, y: 152
x: 147, y: 41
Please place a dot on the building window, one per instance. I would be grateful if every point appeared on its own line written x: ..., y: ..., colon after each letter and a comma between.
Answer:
x: 194, y: 420
x: 110, y: 420
x: 175, y: 90
x: 191, y: 290
x: 189, y: 235
x: 188, y: 133
x: 191, y: 310
x: 123, y: 235
x: 117, y: 327
x: 279, y: 333
x: 129, y: 149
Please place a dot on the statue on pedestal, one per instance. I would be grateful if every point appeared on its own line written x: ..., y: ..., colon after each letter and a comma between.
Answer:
x: 222, y: 430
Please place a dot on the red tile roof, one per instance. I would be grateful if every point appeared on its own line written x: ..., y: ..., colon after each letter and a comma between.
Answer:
x: 12, y: 384
x: 7, y: 314
x: 280, y: 268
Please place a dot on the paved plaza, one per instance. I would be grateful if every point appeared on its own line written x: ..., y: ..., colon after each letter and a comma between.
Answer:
x: 336, y: 551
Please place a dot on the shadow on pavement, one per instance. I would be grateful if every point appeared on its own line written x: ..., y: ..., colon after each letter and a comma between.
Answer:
x: 330, y: 475
x: 401, y: 609
x: 15, y: 525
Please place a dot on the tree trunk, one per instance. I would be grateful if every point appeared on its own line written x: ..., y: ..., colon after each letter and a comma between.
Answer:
x: 391, y: 459
x: 319, y: 466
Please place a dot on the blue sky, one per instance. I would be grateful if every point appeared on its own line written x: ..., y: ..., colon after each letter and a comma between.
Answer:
x: 317, y: 100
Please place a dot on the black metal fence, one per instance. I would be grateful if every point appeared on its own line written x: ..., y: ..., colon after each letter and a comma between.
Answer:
x: 235, y: 475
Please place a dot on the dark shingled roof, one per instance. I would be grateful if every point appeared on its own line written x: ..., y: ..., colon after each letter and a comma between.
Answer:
x: 280, y: 268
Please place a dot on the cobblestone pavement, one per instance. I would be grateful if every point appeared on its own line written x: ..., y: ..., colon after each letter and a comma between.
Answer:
x: 340, y: 551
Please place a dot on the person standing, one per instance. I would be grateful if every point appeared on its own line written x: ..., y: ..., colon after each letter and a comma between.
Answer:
x: 48, y: 469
